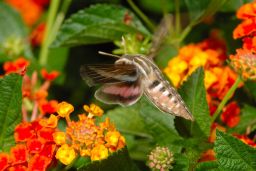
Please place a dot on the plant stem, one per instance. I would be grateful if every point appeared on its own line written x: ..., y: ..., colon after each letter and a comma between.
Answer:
x: 50, y: 20
x: 150, y: 25
x: 186, y: 31
x: 177, y: 17
x: 226, y: 98
x: 59, y: 19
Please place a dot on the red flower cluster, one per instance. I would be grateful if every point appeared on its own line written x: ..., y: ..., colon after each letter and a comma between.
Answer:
x: 37, y: 35
x: 231, y: 114
x: 18, y: 66
x: 34, y: 149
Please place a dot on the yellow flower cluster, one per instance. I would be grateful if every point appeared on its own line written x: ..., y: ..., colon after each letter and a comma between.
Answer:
x: 85, y: 137
x: 191, y: 57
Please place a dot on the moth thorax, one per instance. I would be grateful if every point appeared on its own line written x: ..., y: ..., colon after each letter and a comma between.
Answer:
x: 123, y: 61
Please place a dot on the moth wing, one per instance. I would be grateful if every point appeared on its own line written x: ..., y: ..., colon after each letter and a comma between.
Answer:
x: 124, y: 94
x: 108, y: 73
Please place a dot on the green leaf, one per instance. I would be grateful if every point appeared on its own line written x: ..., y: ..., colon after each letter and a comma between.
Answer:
x: 166, y: 52
x: 128, y: 120
x: 97, y: 24
x: 160, y: 125
x: 181, y: 162
x: 209, y: 165
x: 157, y: 6
x: 233, y: 154
x: 13, y: 32
x: 248, y: 118
x: 118, y: 161
x: 196, y: 8
x: 194, y: 94
x: 10, y: 109
x: 57, y: 60
x: 232, y: 6
x: 250, y: 86
x: 201, y: 9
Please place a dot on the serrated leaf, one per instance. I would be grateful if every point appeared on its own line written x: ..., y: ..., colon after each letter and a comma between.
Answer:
x: 209, y: 165
x: 98, y: 24
x: 194, y: 94
x: 160, y: 125
x: 10, y: 109
x: 119, y: 161
x: 233, y: 154
x: 248, y: 118
x: 12, y: 27
x: 181, y: 162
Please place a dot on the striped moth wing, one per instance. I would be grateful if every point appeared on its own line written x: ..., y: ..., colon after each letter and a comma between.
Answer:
x: 121, y: 82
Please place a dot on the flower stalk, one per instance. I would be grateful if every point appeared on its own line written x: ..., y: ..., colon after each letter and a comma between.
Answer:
x: 150, y: 25
x: 226, y: 98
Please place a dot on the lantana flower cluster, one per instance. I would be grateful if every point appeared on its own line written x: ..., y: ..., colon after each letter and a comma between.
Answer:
x: 84, y: 137
x: 39, y: 144
x: 34, y: 149
x: 244, y: 61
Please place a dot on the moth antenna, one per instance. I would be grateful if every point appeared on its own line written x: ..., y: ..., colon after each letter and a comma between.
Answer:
x: 109, y: 54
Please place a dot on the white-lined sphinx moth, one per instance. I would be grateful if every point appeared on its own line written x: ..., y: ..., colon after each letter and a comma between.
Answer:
x: 131, y: 76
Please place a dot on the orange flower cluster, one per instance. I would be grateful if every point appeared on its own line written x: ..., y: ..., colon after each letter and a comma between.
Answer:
x: 30, y: 10
x: 34, y: 149
x: 34, y: 94
x: 85, y: 137
x: 244, y: 62
x: 38, y: 143
x: 211, y: 55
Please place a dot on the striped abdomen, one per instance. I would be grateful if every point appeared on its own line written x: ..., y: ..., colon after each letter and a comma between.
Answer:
x: 164, y: 96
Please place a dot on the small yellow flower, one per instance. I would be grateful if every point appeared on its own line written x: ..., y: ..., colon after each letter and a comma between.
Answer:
x: 210, y: 78
x: 64, y: 109
x: 65, y: 154
x: 177, y: 65
x: 50, y: 122
x: 59, y: 138
x: 85, y: 152
x: 112, y: 138
x: 199, y: 59
x: 99, y: 152
x: 93, y: 110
